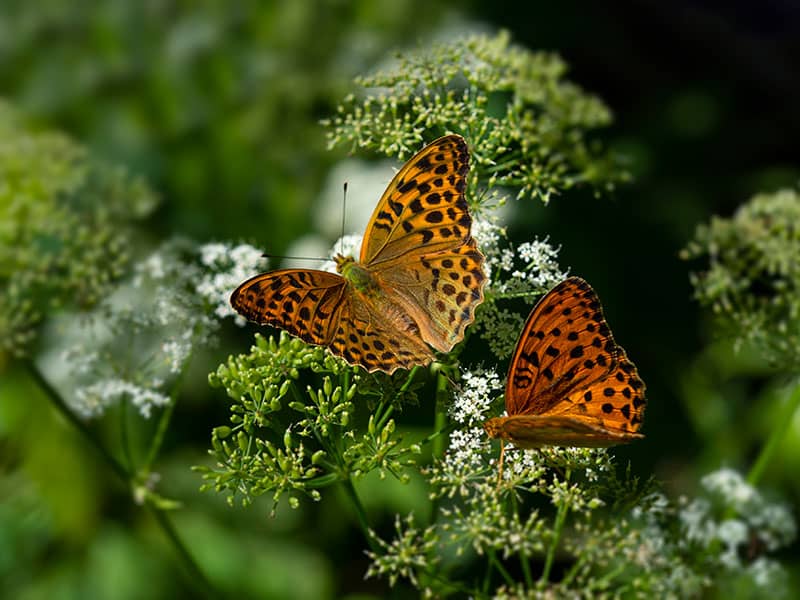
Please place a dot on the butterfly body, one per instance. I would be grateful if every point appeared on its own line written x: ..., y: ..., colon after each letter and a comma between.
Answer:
x: 415, y: 286
x: 569, y: 383
x: 357, y: 276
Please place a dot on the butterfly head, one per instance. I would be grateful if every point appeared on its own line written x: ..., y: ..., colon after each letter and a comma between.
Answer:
x: 355, y: 273
x: 343, y: 262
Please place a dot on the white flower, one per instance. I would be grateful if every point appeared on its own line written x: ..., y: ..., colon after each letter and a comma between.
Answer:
x: 466, y: 448
x: 152, y: 267
x: 732, y: 533
x: 92, y: 400
x: 227, y: 267
x: 176, y: 352
x: 730, y: 484
x: 769, y: 575
x: 477, y: 394
x: 211, y: 254
x: 695, y: 518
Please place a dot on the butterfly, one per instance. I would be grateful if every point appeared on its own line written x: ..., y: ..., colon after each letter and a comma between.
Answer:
x: 415, y: 286
x: 569, y: 383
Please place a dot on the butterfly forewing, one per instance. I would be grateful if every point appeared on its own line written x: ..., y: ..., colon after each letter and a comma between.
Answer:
x: 423, y: 209
x: 305, y: 303
x: 565, y: 345
x: 614, y: 402
x: 569, y: 383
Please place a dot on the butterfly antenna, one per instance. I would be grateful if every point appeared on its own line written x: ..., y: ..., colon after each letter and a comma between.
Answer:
x: 344, y: 206
x: 281, y: 256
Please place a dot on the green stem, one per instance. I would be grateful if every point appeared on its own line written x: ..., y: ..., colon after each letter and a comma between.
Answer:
x: 500, y: 568
x: 195, y: 574
x: 71, y: 417
x: 158, y: 437
x: 776, y: 437
x: 523, y: 556
x: 361, y: 514
x: 164, y: 420
x: 438, y: 433
x: 572, y: 572
x: 606, y: 582
x: 440, y: 421
x: 126, y: 477
x: 323, y: 480
x: 381, y: 421
x: 124, y: 439
x: 561, y: 518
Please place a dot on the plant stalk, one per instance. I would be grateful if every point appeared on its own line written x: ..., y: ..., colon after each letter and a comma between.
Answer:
x: 561, y: 518
x: 361, y: 514
x: 776, y: 437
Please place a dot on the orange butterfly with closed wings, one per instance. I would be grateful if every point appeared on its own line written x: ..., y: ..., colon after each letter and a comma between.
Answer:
x: 413, y: 290
x: 569, y: 383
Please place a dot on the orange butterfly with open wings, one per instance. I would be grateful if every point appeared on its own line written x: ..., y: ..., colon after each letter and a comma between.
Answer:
x: 415, y: 287
x: 569, y: 383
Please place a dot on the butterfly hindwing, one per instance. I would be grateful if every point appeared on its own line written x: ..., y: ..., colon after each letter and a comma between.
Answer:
x: 442, y: 294
x: 379, y: 338
x: 616, y: 402
x: 533, y: 431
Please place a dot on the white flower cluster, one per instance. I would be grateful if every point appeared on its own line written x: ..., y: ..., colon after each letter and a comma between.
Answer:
x: 224, y: 267
x: 144, y: 336
x: 524, y: 272
x: 772, y: 522
x: 487, y: 234
x: 736, y: 515
x: 479, y: 388
x: 529, y: 268
x: 92, y: 400
x: 469, y: 447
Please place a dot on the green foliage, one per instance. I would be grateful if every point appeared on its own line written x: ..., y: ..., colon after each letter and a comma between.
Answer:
x: 216, y: 103
x: 527, y: 126
x: 315, y: 445
x: 752, y: 282
x: 65, y: 231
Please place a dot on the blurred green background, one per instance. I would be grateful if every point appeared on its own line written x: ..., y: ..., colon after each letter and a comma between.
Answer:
x: 217, y: 105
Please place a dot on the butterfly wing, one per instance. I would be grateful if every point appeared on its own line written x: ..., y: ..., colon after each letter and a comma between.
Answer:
x: 419, y: 246
x: 423, y: 210
x: 379, y: 336
x: 305, y: 303
x: 609, y: 411
x: 533, y: 431
x: 565, y: 344
x: 440, y: 293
